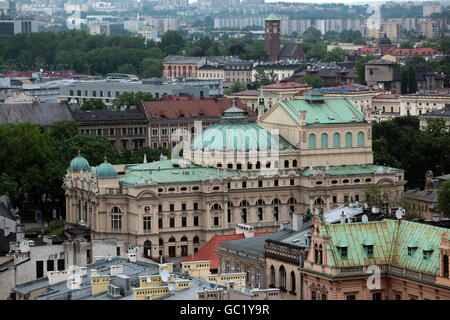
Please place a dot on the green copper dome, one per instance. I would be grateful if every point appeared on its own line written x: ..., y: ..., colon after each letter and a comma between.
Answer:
x: 233, y: 133
x: 79, y: 163
x: 106, y: 170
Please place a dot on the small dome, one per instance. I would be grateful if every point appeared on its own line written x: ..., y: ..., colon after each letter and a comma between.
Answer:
x: 106, y: 170
x: 79, y: 163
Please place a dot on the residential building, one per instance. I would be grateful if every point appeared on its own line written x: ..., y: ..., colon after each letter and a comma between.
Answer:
x: 420, y: 103
x: 411, y: 259
x: 125, y: 129
x: 171, y: 120
x: 99, y: 28
x: 9, y: 26
x: 331, y: 77
x: 181, y: 66
x: 9, y: 224
x: 443, y: 114
x: 430, y: 29
x: 383, y: 74
x: 430, y: 7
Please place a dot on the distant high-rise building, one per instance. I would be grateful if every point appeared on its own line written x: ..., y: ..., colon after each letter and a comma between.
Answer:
x: 273, y: 42
x: 8, y: 8
x: 16, y: 26
x: 252, y: 2
x: 429, y: 29
x: 431, y: 7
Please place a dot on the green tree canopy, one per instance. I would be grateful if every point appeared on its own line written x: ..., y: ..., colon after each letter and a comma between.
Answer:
x: 443, y: 198
x: 314, y: 80
x: 93, y: 104
x: 128, y: 99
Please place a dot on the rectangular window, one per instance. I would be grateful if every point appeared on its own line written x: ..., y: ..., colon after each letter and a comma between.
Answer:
x: 61, y: 264
x: 50, y: 265
x: 39, y: 269
x: 369, y: 251
x: 183, y: 206
x: 292, y: 182
x: 116, y: 222
x: 183, y: 221
x: 164, y: 131
x: 216, y: 221
x: 344, y: 252
x: 172, y: 222
x: 172, y: 207
x: 244, y: 184
x: 196, y: 221
x: 376, y: 296
x: 334, y: 199
x: 195, y: 206
x: 118, y: 251
x: 160, y: 208
x: 147, y: 224
x: 160, y: 223
x: 260, y: 184
x: 275, y: 183
x: 351, y: 297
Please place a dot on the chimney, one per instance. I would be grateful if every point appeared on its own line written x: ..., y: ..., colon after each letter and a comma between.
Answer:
x: 297, y: 221
x: 343, y: 217
x: 115, y: 270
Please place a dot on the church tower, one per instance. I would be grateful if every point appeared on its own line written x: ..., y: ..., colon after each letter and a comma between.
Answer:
x: 273, y: 42
x: 261, y: 104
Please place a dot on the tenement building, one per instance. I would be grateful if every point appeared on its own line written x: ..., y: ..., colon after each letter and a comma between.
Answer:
x: 411, y: 259
x: 310, y: 153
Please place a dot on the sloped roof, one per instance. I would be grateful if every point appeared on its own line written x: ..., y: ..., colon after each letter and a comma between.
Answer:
x: 195, y: 108
x: 247, y: 93
x: 109, y: 115
x: 288, y: 50
x: 345, y: 170
x: 39, y: 113
x: 330, y: 111
x: 255, y: 245
x: 272, y: 17
x: 207, y: 252
x: 286, y: 85
x: 391, y: 239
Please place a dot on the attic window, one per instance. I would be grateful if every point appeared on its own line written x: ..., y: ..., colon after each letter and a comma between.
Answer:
x: 411, y: 251
x: 369, y: 250
x: 427, y: 254
x: 343, y: 252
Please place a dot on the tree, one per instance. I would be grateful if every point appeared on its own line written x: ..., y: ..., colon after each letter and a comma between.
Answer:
x: 314, y: 80
x: 171, y: 42
x: 373, y: 196
x: 361, y: 70
x: 128, y: 99
x: 337, y: 54
x: 9, y: 187
x: 127, y: 69
x: 237, y: 87
x: 443, y: 198
x: 93, y: 104
x: 61, y: 130
x: 263, y: 78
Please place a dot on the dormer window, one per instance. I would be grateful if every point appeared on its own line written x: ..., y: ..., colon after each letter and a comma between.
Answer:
x: 343, y: 248
x: 411, y: 251
x: 368, y: 245
x: 369, y: 250
x: 427, y: 254
x: 344, y: 252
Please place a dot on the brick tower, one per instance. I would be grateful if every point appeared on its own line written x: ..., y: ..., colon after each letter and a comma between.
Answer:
x: 273, y: 42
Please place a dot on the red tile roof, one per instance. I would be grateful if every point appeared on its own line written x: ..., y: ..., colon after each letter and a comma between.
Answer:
x: 207, y: 252
x: 386, y: 96
x: 286, y: 85
x: 414, y: 52
x: 249, y: 93
x: 192, y: 108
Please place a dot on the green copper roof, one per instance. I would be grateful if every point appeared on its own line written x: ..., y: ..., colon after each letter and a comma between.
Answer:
x: 164, y: 172
x: 261, y: 94
x: 349, y: 170
x: 390, y: 240
x: 330, y: 111
x: 272, y: 17
x: 79, y: 163
x: 238, y: 137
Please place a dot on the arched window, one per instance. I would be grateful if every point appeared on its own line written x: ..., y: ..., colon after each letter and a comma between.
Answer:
x: 161, y: 242
x: 258, y: 165
x: 336, y: 140
x: 244, y: 203
x: 216, y: 206
x: 183, y: 239
x: 230, y: 165
x: 286, y: 163
x: 249, y: 166
x: 282, y: 278
x: 360, y: 139
x: 196, y: 240
x: 324, y: 141
x: 445, y: 265
x: 238, y: 166
x: 116, y: 210
x: 272, y: 276
x: 320, y: 255
x: 172, y: 239
x: 312, y: 140
x: 348, y: 139
x: 316, y: 253
x: 293, y: 288
x: 294, y: 163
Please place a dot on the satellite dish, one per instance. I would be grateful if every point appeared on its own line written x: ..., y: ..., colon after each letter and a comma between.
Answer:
x: 400, y: 213
x: 165, y: 275
x: 365, y: 219
x: 171, y: 286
